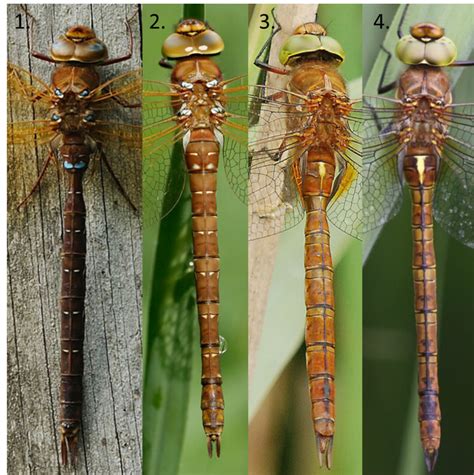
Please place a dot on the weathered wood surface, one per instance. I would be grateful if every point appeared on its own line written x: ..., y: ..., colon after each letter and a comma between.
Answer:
x: 110, y: 441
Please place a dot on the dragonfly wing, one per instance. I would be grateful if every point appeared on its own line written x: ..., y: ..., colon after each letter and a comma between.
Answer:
x: 274, y: 202
x: 124, y: 89
x: 345, y: 208
x: 454, y: 193
x: 24, y: 86
x: 235, y: 150
x: 382, y: 185
x: 163, y: 163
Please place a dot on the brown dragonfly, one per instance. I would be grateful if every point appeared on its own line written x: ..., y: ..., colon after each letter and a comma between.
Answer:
x: 206, y: 115
x: 424, y: 139
x: 305, y: 162
x: 71, y: 135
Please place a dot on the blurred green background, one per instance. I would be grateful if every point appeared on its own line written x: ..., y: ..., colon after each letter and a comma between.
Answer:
x: 281, y: 434
x: 174, y: 440
x: 391, y: 438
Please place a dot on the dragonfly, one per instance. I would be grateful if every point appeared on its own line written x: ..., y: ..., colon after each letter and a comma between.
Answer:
x: 189, y: 124
x: 421, y: 138
x: 72, y: 135
x: 305, y: 162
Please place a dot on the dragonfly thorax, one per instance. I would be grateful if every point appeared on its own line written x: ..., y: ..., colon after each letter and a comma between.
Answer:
x: 201, y: 104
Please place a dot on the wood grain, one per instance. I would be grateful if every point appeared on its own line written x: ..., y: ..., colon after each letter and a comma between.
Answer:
x: 110, y: 440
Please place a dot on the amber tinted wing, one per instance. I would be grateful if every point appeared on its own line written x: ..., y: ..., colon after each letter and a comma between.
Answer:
x: 163, y: 163
x: 382, y: 187
x: 29, y: 132
x: 454, y: 195
x: 345, y: 209
x: 235, y: 131
x: 116, y: 130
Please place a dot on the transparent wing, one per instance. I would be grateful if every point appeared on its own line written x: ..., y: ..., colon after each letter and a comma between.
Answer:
x: 454, y: 195
x: 279, y: 120
x: 235, y: 132
x: 345, y: 208
x: 382, y: 189
x: 164, y: 171
x: 163, y: 163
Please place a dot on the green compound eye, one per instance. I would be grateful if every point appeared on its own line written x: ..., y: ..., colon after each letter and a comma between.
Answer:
x: 297, y: 45
x: 440, y: 52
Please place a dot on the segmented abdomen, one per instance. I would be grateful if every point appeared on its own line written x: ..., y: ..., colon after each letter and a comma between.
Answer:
x: 73, y: 289
x: 319, y: 292
x: 202, y: 156
x: 420, y: 173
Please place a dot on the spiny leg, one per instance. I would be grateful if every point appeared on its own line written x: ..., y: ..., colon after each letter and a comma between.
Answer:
x: 262, y: 63
x: 129, y: 54
x: 33, y: 52
x: 115, y: 179
x: 51, y: 156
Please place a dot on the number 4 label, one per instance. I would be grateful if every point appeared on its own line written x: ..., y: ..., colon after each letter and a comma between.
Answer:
x: 379, y: 21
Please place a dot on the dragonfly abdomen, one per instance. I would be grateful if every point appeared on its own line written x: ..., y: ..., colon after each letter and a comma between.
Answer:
x: 319, y: 297
x: 202, y: 156
x: 420, y: 174
x: 73, y: 289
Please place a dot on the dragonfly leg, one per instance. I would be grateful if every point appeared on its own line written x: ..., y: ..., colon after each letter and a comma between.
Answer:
x: 129, y: 54
x: 402, y: 20
x: 383, y: 88
x: 164, y: 63
x: 262, y: 63
x: 125, y: 103
x: 114, y: 177
x: 51, y: 156
x: 33, y: 52
x: 462, y: 63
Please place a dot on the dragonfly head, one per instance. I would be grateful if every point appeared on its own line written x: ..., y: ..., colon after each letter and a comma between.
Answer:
x: 311, y: 38
x: 192, y: 37
x: 426, y: 44
x: 79, y: 44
